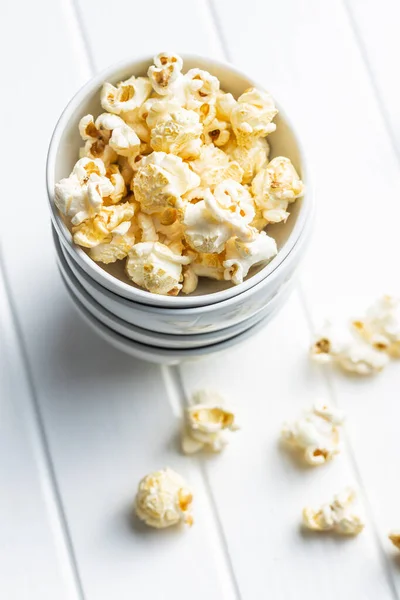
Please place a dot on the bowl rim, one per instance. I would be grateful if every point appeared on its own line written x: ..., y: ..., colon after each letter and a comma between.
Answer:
x: 120, y: 341
x: 84, y: 296
x: 170, y: 312
x: 111, y: 282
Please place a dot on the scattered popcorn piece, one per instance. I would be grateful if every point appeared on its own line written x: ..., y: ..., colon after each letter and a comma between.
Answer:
x: 252, y: 116
x: 213, y: 166
x: 339, y: 516
x: 394, y: 537
x: 316, y: 433
x: 117, y: 248
x: 207, y: 422
x: 165, y: 71
x: 80, y: 195
x: 99, y: 228
x: 178, y: 134
x: 252, y: 159
x: 156, y: 268
x: 381, y: 325
x: 241, y: 256
x: 161, y: 181
x: 275, y: 187
x: 126, y: 96
x: 164, y: 499
x: 336, y: 344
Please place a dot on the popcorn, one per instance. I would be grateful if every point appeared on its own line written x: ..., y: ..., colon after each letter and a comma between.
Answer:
x: 381, y: 325
x: 207, y: 422
x: 165, y: 71
x: 274, y: 187
x: 114, y: 175
x: 214, y: 218
x: 202, y: 88
x: 241, y: 256
x: 117, y: 248
x: 208, y: 265
x: 174, y: 178
x: 216, y: 132
x: 339, y: 515
x: 80, y: 195
x: 213, y: 166
x: 252, y: 116
x: 252, y: 159
x: 99, y: 228
x: 190, y: 280
x: 316, y: 433
x: 164, y: 499
x: 161, y: 181
x: 126, y: 96
x: 394, y: 537
x: 156, y: 268
x: 335, y: 344
x: 178, y: 134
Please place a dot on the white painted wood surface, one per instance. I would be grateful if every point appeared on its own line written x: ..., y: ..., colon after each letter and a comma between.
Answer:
x: 81, y: 423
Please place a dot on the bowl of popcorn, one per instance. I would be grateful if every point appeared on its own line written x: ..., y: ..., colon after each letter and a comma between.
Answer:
x: 179, y: 194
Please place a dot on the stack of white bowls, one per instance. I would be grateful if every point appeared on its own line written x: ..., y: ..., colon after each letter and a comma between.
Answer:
x: 217, y: 315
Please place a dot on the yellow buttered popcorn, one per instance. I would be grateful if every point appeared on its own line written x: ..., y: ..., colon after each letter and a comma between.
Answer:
x: 275, y: 187
x: 190, y: 161
x: 164, y: 499
x: 161, y: 181
x: 213, y: 166
x: 252, y: 116
x: 154, y: 267
x: 124, y: 98
x: 99, y: 228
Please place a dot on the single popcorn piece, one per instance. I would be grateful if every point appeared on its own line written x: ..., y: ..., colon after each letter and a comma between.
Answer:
x: 211, y: 219
x: 381, y: 325
x: 316, y: 433
x: 99, y: 229
x: 207, y: 422
x: 178, y: 134
x: 241, y: 256
x: 109, y: 133
x: 117, y: 248
x: 252, y: 116
x: 161, y: 181
x: 334, y: 344
x: 251, y: 160
x: 80, y: 195
x: 96, y: 141
x: 394, y: 537
x: 164, y: 499
x: 190, y: 280
x: 164, y: 73
x: 275, y: 187
x: 156, y: 268
x: 208, y: 265
x: 341, y: 515
x: 201, y: 88
x: 126, y: 97
x: 213, y: 166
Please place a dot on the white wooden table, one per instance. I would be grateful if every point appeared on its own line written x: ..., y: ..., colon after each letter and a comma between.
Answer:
x: 80, y: 423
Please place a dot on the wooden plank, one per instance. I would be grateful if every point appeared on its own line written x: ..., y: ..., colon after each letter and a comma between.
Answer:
x: 35, y: 560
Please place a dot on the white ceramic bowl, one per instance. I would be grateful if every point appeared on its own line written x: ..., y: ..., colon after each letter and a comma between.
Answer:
x: 158, y: 339
x: 163, y: 355
x: 63, y: 153
x: 200, y: 320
